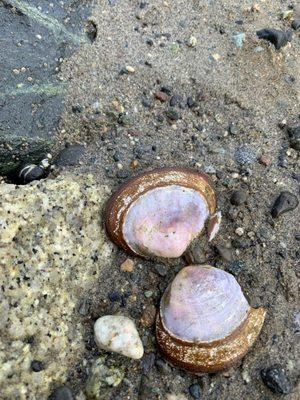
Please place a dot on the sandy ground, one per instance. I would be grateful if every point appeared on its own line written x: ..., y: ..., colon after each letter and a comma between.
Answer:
x: 125, y: 130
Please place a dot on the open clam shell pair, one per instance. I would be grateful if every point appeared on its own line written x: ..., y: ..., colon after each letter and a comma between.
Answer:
x: 205, y: 323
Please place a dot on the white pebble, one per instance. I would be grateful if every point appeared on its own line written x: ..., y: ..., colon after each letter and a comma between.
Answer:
x: 239, y: 231
x: 118, y: 334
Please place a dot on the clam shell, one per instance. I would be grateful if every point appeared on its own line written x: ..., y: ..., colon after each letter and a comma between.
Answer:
x: 159, y: 213
x: 205, y: 323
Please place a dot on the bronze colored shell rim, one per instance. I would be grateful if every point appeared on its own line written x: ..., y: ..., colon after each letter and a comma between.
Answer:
x: 199, y: 357
x: 128, y: 192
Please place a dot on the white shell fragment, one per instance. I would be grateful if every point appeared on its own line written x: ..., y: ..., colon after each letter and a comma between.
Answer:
x: 118, y: 334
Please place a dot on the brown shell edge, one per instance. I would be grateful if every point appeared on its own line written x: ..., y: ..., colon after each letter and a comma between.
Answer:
x: 222, y: 355
x: 129, y: 191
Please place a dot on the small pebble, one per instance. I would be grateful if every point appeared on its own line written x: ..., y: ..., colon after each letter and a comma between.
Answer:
x: 192, y: 42
x: 265, y: 160
x: 224, y: 252
x: 161, y: 96
x: 118, y: 334
x: 277, y: 37
x: 239, y: 231
x: 127, y: 265
x: 173, y: 115
x: 148, y: 316
x: 238, y: 39
x: 296, y: 24
x: 238, y: 197
x: 276, y: 379
x: 232, y: 129
x: 61, y: 393
x: 235, y: 267
x: 175, y: 101
x: 195, y: 391
x: 245, y: 155
x: 294, y: 136
x: 191, y: 103
x: 285, y: 202
x: 130, y: 69
x: 36, y: 366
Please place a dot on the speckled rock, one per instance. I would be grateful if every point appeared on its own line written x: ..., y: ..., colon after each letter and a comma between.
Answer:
x: 103, y: 377
x: 118, y: 334
x: 50, y: 233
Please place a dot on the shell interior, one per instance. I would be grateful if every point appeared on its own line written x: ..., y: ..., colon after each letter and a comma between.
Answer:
x: 163, y: 221
x: 203, y: 304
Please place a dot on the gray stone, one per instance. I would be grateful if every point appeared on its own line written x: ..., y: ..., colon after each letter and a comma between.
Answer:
x: 70, y: 155
x: 245, y: 155
x: 276, y: 379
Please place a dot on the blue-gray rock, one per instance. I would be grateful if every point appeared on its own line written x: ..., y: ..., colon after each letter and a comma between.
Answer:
x: 276, y: 380
x: 275, y: 36
x: 296, y: 24
x: 195, y: 391
x: 61, y: 393
x: 70, y: 155
x: 238, y: 39
x: 245, y: 155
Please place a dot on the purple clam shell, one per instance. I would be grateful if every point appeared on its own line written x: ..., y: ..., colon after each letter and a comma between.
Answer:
x: 203, y: 304
x: 165, y: 220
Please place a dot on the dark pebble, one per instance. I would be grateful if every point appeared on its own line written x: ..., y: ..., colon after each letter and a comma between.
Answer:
x: 161, y: 269
x: 296, y: 24
x: 61, y: 393
x: 294, y: 135
x: 276, y: 380
x: 77, y: 109
x: 241, y: 243
x: 149, y: 42
x: 147, y: 103
x: 238, y: 197
x: 173, y: 115
x: 224, y: 252
x: 297, y: 236
x: 117, y: 157
x: 176, y: 101
x: 114, y: 296
x: 277, y: 37
x: 166, y: 89
x: 162, y: 366
x: 70, y: 155
x: 195, y: 391
x: 191, y: 103
x: 285, y: 202
x: 161, y: 96
x: 235, y: 267
x: 148, y: 362
x: 37, y: 366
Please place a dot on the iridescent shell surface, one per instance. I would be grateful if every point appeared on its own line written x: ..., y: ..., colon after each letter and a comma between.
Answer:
x: 165, y: 220
x: 159, y: 213
x: 203, y: 304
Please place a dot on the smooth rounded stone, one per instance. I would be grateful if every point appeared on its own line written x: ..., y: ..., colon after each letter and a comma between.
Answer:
x: 61, y: 393
x: 195, y: 391
x: 118, y: 334
x: 70, y: 155
x: 31, y: 172
x: 294, y: 136
x: 238, y: 197
x: 175, y: 216
x: 296, y: 24
x: 276, y: 379
x: 245, y: 155
x: 275, y: 36
x: 203, y: 304
x: 104, y: 375
x: 285, y: 202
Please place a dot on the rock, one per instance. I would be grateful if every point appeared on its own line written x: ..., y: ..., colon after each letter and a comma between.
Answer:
x: 176, y: 396
x: 209, y: 169
x: 277, y: 37
x: 232, y: 129
x: 238, y: 197
x: 235, y: 267
x: 239, y: 231
x: 265, y: 160
x: 127, y: 265
x: 294, y: 135
x: 238, y: 39
x: 104, y: 375
x: 36, y: 366
x: 70, y: 155
x: 61, y: 393
x: 276, y: 380
x: 191, y: 103
x: 173, y: 115
x: 161, y: 96
x: 147, y: 103
x: 192, y: 42
x: 30, y: 173
x: 176, y: 101
x: 148, y: 362
x: 50, y: 229
x: 125, y: 119
x: 161, y: 269
x: 296, y: 24
x: 162, y: 366
x: 285, y: 202
x: 224, y: 252
x: 245, y: 155
x: 195, y: 391
x: 118, y: 334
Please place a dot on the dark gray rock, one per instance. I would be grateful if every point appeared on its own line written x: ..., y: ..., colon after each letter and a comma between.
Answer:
x: 294, y: 135
x: 285, y: 202
x: 276, y: 380
x: 70, y: 155
x: 173, y: 115
x: 176, y: 101
x: 275, y: 36
x: 37, y: 366
x: 224, y: 252
x: 238, y: 197
x: 61, y: 393
x: 235, y: 267
x: 296, y: 24
x: 32, y: 47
